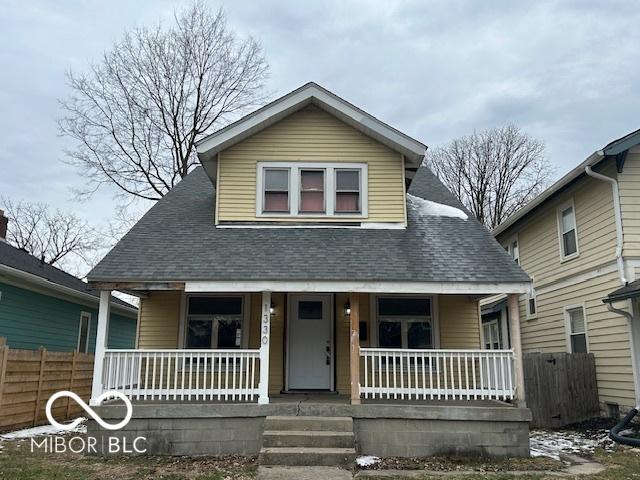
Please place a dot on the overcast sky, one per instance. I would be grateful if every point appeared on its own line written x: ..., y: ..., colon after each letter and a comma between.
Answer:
x: 566, y: 72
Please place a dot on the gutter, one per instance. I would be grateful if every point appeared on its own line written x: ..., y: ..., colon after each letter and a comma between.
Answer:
x: 618, y: 215
x: 55, y: 287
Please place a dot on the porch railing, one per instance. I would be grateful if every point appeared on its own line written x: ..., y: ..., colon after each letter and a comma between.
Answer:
x: 222, y: 375
x: 436, y: 374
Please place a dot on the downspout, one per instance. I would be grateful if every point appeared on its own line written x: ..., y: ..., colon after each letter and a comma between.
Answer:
x: 618, y: 216
x: 614, y: 433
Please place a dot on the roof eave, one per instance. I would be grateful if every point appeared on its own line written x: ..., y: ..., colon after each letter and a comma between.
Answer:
x: 209, y: 147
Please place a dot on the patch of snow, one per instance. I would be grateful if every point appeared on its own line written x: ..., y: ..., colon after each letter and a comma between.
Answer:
x: 367, y: 461
x: 434, y: 209
x: 553, y: 444
x: 43, y: 430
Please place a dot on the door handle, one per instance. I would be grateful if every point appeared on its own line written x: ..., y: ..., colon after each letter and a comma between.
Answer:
x: 327, y: 351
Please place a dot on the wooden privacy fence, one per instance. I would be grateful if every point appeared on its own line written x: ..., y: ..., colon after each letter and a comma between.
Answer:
x: 28, y: 378
x: 561, y: 388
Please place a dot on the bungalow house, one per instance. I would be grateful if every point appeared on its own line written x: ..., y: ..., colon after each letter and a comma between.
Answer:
x: 579, y: 241
x: 42, y: 306
x: 312, y: 276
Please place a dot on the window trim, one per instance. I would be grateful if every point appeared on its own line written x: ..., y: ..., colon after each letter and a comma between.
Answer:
x: 264, y: 191
x: 532, y: 296
x: 245, y: 323
x: 373, y: 309
x: 87, y: 343
x: 563, y: 206
x: 294, y: 189
x: 567, y: 325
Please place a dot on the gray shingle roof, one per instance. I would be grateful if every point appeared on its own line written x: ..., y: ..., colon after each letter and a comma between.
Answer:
x: 178, y: 241
x: 630, y: 290
x: 25, y: 262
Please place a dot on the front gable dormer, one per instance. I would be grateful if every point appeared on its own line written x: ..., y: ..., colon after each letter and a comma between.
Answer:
x: 310, y: 158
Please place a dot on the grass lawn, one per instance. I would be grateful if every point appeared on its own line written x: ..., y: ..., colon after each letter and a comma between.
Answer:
x: 18, y: 463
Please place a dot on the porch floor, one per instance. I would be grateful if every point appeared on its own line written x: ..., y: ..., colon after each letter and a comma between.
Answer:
x: 331, y: 399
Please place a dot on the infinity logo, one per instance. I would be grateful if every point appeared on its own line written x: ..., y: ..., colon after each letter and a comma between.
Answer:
x: 89, y: 410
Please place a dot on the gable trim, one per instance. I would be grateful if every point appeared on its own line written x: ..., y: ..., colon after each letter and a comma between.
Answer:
x: 311, y: 93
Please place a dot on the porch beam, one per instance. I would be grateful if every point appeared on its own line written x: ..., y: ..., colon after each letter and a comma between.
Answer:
x: 354, y: 357
x: 265, y: 340
x: 133, y: 287
x: 102, y: 337
x: 513, y: 303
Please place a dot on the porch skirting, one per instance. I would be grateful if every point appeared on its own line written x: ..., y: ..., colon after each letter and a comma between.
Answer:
x: 484, y: 428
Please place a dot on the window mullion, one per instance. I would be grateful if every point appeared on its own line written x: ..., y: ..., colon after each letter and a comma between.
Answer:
x: 294, y: 190
x: 214, y: 333
x: 330, y: 191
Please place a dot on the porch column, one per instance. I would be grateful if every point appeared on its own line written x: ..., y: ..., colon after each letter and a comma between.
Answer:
x: 104, y: 312
x: 516, y: 345
x: 265, y: 334
x: 354, y: 359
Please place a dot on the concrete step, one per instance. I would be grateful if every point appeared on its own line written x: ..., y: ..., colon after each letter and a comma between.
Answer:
x: 323, y: 424
x: 304, y: 456
x: 308, y: 438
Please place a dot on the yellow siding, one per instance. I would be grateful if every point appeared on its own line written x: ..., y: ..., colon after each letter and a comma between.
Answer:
x: 309, y: 135
x: 629, y: 184
x: 459, y: 322
x: 538, y: 235
x: 607, y: 334
x: 159, y: 320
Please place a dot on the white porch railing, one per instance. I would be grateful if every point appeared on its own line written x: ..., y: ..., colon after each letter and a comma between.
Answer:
x: 436, y: 374
x: 223, y: 375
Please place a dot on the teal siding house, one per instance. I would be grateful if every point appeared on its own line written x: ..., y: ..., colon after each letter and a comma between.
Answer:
x: 42, y: 306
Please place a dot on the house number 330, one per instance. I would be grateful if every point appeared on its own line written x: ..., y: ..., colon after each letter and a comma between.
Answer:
x: 265, y: 329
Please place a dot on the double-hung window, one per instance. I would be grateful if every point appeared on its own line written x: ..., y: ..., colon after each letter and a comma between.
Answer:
x: 276, y: 190
x: 576, y: 329
x: 214, y: 322
x: 513, y: 249
x: 83, y: 332
x: 405, y: 322
x: 567, y: 231
x: 303, y: 189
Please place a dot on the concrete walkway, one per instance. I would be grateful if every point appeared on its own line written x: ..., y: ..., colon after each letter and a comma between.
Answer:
x: 303, y: 473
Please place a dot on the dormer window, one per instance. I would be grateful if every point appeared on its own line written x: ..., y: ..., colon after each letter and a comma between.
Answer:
x: 276, y: 190
x: 312, y: 191
x: 301, y: 189
x: 348, y: 191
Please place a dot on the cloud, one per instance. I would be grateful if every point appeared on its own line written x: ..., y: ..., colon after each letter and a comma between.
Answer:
x: 564, y: 71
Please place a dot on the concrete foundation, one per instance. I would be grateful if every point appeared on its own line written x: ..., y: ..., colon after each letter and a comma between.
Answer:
x: 487, y: 429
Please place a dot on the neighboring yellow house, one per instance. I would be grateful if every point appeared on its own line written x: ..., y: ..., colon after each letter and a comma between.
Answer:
x: 579, y: 241
x: 313, y: 254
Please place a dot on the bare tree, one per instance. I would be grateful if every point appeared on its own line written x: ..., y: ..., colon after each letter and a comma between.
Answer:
x: 52, y: 236
x: 493, y: 172
x: 136, y: 114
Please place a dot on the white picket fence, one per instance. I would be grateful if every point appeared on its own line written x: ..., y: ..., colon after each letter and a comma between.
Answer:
x: 223, y: 375
x: 412, y: 374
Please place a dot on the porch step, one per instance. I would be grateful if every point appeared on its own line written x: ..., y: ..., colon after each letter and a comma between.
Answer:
x: 307, y: 441
x: 305, y: 456
x: 307, y: 423
x: 307, y: 438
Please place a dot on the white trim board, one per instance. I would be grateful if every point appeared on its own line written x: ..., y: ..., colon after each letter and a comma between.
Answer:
x: 576, y: 279
x: 296, y: 100
x: 324, y: 286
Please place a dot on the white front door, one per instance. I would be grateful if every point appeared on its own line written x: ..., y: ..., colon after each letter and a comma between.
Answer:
x: 310, y: 357
x: 491, y: 335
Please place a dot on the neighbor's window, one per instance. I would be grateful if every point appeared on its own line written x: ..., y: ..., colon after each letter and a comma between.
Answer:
x: 577, y: 330
x: 83, y: 333
x: 568, y: 233
x: 347, y: 191
x: 276, y: 190
x: 404, y: 322
x: 312, y: 191
x: 513, y: 249
x: 214, y: 322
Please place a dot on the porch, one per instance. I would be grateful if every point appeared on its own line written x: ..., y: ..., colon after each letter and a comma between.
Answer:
x: 363, y: 346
